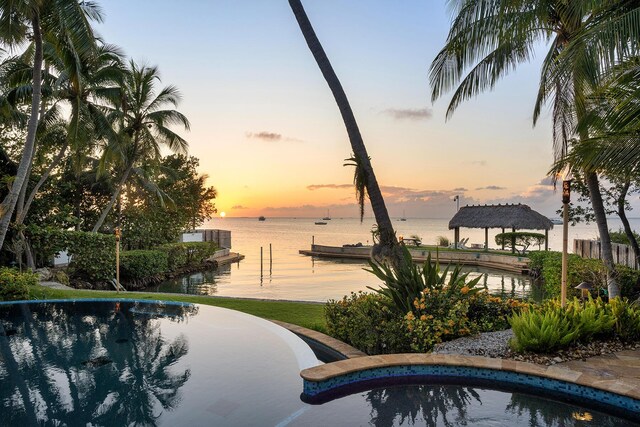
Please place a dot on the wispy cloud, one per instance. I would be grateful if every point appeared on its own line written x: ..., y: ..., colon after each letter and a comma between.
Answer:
x: 314, y: 187
x: 460, y: 189
x: 491, y: 187
x: 479, y: 162
x: 409, y: 113
x: 239, y: 207
x: 270, y: 136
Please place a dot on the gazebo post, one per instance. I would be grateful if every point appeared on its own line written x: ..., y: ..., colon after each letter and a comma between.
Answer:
x: 546, y: 239
x: 503, y: 239
x: 513, y: 241
x: 486, y: 239
x: 456, y: 237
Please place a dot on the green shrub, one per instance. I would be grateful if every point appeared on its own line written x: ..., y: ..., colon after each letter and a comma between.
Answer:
x: 407, y: 283
x: 141, y: 264
x: 491, y: 313
x: 14, y: 286
x: 621, y: 237
x: 93, y: 255
x: 579, y: 270
x: 184, y: 255
x: 61, y: 277
x: 442, y: 241
x: 522, y: 239
x: 366, y: 322
x: 542, y: 330
x: 629, y: 281
x: 627, y: 318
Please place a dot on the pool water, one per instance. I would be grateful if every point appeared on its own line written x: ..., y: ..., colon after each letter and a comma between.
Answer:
x: 114, y: 363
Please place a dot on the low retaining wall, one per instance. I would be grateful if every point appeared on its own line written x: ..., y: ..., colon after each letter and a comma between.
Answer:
x: 513, y: 264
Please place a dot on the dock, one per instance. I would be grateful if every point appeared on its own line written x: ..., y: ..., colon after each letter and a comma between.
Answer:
x: 481, y: 258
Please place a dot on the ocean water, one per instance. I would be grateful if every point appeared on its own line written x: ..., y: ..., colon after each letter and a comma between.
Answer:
x: 291, y: 276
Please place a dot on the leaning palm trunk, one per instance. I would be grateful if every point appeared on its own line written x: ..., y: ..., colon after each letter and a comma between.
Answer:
x: 112, y: 201
x: 603, y: 230
x: 387, y: 248
x: 625, y: 221
x: 9, y: 203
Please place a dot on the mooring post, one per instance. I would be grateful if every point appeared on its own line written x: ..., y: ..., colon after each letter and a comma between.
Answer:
x: 270, y: 259
x: 260, y: 264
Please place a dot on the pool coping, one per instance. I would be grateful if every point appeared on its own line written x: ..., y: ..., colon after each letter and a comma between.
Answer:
x: 334, y: 344
x: 331, y: 371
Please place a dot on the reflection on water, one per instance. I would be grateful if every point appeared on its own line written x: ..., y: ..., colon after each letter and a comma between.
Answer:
x: 96, y: 364
x: 317, y: 279
x: 452, y: 405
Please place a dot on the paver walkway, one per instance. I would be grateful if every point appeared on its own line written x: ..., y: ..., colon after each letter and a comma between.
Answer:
x: 623, y: 365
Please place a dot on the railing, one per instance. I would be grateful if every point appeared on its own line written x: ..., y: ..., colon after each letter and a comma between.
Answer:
x: 622, y: 254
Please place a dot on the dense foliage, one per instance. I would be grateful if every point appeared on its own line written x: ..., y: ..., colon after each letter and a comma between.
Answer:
x: 549, y: 265
x: 142, y: 264
x: 15, y: 285
x: 186, y: 255
x: 520, y: 240
x: 550, y: 326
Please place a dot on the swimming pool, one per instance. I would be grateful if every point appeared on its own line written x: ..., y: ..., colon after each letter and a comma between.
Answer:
x: 112, y: 363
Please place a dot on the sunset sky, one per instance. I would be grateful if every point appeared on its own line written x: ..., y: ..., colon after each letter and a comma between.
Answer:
x: 270, y: 137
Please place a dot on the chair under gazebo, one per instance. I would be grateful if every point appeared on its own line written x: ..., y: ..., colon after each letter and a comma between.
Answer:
x: 508, y: 216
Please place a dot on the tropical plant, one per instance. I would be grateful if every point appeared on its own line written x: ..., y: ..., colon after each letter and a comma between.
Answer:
x: 364, y: 178
x: 442, y: 241
x: 142, y: 124
x: 15, y: 285
x: 492, y: 38
x: 69, y: 22
x: 406, y: 283
x: 542, y: 330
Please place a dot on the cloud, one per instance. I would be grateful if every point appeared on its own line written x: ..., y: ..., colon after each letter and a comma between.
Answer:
x: 460, y: 189
x: 491, y: 187
x: 409, y: 113
x: 479, y: 162
x: 548, y: 180
x: 239, y: 207
x: 265, y: 136
x: 314, y: 187
x: 270, y: 136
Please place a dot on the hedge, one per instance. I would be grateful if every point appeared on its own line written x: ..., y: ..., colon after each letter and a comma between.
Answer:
x: 14, y: 285
x: 141, y: 264
x: 184, y: 255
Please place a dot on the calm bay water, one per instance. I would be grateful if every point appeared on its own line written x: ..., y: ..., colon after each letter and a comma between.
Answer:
x: 297, y: 277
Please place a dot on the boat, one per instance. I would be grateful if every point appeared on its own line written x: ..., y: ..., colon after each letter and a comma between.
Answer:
x: 326, y: 218
x: 403, y: 216
x: 320, y: 223
x: 556, y: 221
x: 261, y: 218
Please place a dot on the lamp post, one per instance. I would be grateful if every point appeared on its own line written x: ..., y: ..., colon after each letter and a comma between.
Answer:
x: 457, y: 200
x: 118, y: 234
x: 566, y: 197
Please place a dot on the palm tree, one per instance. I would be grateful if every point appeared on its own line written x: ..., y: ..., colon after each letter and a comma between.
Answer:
x: 387, y: 247
x: 142, y: 123
x: 492, y: 37
x: 69, y: 21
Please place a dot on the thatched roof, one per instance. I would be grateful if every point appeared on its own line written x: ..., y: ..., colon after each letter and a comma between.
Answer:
x: 522, y: 217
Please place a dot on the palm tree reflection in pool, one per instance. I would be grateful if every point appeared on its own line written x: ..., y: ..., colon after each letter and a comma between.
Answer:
x: 85, y: 368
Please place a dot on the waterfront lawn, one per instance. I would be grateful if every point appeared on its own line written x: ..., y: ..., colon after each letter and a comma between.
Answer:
x: 468, y: 250
x: 308, y: 315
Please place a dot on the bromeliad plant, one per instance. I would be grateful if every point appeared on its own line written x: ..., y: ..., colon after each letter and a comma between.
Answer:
x: 408, y: 283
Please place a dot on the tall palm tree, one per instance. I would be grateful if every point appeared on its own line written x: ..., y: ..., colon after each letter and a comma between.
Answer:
x: 142, y: 122
x: 70, y: 21
x: 489, y: 38
x: 387, y: 247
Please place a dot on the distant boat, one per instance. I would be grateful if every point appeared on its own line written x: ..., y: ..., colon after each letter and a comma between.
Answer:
x: 326, y: 218
x: 403, y: 217
x: 261, y: 218
x: 556, y: 221
x: 320, y: 223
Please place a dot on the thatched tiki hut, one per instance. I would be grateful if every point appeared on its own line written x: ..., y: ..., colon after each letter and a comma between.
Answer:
x: 515, y: 217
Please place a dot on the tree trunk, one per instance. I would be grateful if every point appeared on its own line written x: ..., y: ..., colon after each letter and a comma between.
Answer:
x: 603, y: 229
x: 9, y: 203
x: 387, y: 248
x: 56, y: 161
x: 625, y: 221
x: 114, y: 197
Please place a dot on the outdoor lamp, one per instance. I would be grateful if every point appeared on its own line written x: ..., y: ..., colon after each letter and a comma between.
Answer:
x: 585, y: 287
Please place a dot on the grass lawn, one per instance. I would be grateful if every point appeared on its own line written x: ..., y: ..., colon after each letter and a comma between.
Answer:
x: 303, y: 314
